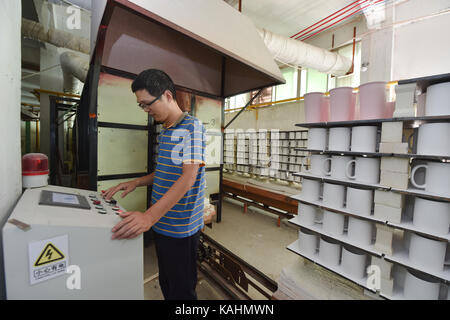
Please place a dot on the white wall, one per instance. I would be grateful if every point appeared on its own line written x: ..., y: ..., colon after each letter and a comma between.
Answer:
x: 10, y: 77
x: 421, y: 47
x: 412, y: 41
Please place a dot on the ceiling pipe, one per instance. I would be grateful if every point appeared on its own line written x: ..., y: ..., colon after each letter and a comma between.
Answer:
x: 62, y: 39
x: 301, y: 54
x: 347, y: 16
x: 327, y: 19
x: 74, y: 65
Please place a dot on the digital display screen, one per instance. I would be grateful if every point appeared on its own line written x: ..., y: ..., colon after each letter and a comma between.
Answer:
x: 65, y: 198
x: 61, y: 199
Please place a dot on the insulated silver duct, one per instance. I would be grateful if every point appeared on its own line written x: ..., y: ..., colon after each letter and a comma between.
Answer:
x: 298, y: 53
x: 74, y: 65
x: 35, y: 30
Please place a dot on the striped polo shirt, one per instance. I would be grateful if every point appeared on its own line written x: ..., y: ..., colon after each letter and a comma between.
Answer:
x: 184, y: 142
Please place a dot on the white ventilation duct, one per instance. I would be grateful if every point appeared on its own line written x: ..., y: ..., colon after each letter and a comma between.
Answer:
x: 74, y: 65
x: 62, y: 39
x: 298, y: 53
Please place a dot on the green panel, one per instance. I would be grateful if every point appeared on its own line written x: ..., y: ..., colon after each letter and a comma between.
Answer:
x: 122, y: 151
x: 117, y: 103
x: 134, y: 201
x: 316, y: 81
x: 212, y: 182
x: 289, y: 89
x: 209, y: 111
x: 213, y: 150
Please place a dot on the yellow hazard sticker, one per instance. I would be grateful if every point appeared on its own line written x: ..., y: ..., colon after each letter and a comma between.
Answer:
x: 48, y: 255
x: 48, y: 258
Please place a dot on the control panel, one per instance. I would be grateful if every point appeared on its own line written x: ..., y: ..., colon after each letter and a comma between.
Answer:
x: 103, y: 206
x: 54, y: 230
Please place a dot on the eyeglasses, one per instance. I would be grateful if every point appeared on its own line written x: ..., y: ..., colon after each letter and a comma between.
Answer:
x: 144, y: 106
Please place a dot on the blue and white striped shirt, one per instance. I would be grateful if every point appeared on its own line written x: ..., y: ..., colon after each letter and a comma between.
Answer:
x: 182, y: 143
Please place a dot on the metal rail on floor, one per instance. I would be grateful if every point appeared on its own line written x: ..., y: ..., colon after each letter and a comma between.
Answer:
x: 231, y: 272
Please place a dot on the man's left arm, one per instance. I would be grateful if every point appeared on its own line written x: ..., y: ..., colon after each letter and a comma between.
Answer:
x: 134, y: 223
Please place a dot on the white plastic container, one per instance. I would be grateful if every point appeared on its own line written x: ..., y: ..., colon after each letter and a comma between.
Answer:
x: 438, y: 100
x: 433, y: 139
x: 333, y: 223
x: 342, y: 104
x: 339, y: 139
x: 317, y: 138
x: 329, y: 251
x: 364, y: 138
x: 307, y: 214
x: 333, y: 195
x: 354, y: 262
x: 432, y: 216
x: 420, y: 287
x: 427, y: 253
x: 310, y: 189
x: 359, y: 201
x: 372, y: 100
x: 307, y: 242
x: 360, y: 231
x: 317, y: 107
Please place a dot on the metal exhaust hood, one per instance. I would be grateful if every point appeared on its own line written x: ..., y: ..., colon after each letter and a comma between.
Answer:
x: 204, y: 45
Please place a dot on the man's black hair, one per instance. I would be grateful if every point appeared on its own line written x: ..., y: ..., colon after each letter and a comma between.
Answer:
x: 155, y: 82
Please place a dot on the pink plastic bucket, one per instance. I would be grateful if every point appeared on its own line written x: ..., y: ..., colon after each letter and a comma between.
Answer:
x: 342, y: 104
x: 317, y: 107
x: 389, y: 110
x: 372, y: 100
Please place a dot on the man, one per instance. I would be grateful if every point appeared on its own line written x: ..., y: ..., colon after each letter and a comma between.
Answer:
x: 176, y: 211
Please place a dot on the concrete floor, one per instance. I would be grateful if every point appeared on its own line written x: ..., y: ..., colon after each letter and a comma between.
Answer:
x: 253, y: 236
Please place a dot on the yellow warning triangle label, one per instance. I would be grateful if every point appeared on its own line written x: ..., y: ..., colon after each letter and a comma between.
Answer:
x: 49, y: 254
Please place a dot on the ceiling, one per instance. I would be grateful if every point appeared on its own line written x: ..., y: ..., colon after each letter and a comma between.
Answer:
x: 287, y: 17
